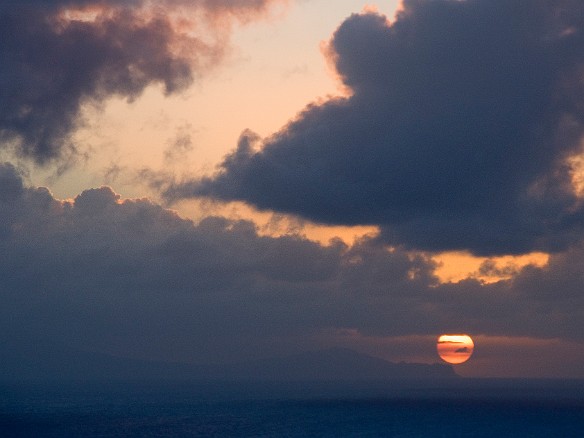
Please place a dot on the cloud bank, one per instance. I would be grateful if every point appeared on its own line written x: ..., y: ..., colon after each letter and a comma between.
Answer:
x: 58, y: 55
x: 128, y: 277
x: 456, y: 135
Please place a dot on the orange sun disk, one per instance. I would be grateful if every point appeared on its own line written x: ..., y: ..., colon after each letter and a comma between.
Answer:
x: 455, y: 349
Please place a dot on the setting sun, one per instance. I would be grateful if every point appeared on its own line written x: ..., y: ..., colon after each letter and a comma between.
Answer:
x: 455, y: 349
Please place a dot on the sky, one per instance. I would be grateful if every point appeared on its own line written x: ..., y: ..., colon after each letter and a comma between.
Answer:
x: 214, y: 181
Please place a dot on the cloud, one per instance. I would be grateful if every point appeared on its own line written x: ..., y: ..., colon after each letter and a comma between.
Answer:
x: 455, y: 136
x: 461, y: 350
x: 180, y: 146
x: 489, y: 268
x: 128, y: 277
x: 58, y: 55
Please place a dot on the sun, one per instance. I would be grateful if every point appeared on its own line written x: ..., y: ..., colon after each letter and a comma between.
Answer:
x: 455, y: 349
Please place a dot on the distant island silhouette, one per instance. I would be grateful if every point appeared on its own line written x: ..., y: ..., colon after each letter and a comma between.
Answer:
x: 50, y: 363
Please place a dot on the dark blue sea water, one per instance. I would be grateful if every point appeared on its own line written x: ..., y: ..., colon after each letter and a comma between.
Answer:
x: 290, y: 411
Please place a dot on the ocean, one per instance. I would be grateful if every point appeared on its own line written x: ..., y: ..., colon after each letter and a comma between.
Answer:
x: 472, y: 409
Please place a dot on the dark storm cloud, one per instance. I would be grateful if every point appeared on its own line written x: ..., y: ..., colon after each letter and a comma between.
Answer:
x: 54, y: 61
x: 461, y: 117
x: 129, y: 277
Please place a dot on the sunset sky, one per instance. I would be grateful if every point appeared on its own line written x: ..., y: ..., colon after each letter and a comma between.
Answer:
x: 210, y: 181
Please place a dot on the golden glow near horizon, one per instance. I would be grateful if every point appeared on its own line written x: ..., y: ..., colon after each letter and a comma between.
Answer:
x: 455, y: 349
x: 456, y: 266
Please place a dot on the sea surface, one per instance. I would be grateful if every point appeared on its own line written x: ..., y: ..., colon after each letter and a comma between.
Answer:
x: 472, y: 409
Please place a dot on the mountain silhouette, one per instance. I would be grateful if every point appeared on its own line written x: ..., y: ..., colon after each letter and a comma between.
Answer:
x: 336, y: 364
x: 46, y: 362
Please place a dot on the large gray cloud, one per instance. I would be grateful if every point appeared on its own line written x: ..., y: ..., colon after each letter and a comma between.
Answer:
x: 456, y: 134
x: 129, y: 277
x: 58, y: 55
